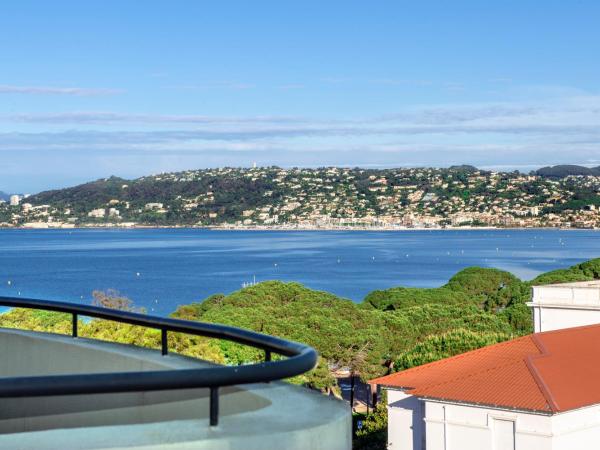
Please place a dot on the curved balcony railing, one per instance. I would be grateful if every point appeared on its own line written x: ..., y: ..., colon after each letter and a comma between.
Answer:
x: 300, y: 359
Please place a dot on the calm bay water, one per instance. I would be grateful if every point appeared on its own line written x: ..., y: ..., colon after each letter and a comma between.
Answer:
x: 163, y: 268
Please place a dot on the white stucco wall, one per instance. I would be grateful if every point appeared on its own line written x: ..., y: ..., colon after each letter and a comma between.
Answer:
x: 565, y: 305
x: 579, y: 429
x: 416, y: 424
x: 406, y: 427
x: 547, y: 318
x: 465, y: 427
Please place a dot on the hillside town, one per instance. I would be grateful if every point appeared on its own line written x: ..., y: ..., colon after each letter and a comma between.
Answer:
x: 327, y: 198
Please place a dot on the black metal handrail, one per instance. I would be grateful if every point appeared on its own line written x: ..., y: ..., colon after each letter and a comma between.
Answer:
x: 300, y: 359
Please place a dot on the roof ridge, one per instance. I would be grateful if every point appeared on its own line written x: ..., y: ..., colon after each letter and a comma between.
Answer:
x: 455, y: 357
x: 539, y: 380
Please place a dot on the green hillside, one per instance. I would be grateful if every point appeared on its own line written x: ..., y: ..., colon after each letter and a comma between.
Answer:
x: 272, y: 196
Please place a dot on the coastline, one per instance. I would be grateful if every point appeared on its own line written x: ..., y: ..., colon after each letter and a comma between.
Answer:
x: 283, y: 228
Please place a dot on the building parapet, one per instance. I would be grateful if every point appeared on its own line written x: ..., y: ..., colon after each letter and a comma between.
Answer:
x: 586, y: 293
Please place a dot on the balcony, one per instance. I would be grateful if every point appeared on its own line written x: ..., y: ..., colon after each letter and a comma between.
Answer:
x: 67, y: 392
x: 581, y: 293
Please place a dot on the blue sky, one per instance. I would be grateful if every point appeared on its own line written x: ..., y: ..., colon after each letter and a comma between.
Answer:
x: 92, y: 89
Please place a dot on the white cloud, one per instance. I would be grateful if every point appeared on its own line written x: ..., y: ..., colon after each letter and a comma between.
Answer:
x: 516, y: 134
x: 235, y: 85
x: 111, y: 118
x: 53, y: 90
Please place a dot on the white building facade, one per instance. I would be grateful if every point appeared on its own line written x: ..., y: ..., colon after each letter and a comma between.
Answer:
x: 420, y: 424
x: 14, y: 200
x: 566, y: 305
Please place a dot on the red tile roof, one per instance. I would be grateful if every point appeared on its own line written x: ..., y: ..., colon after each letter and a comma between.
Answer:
x: 551, y: 372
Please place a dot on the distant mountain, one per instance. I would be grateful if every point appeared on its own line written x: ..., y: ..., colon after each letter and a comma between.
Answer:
x: 565, y: 170
x: 464, y: 168
x: 93, y: 193
x: 4, y: 196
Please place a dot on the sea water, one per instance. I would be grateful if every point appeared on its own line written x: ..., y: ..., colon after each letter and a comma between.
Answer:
x: 160, y: 269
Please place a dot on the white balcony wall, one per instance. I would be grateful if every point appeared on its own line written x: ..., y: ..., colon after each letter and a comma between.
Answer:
x: 565, y: 305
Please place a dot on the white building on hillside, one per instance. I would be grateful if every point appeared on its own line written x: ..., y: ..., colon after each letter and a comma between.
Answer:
x: 98, y: 213
x: 15, y: 200
x: 536, y: 392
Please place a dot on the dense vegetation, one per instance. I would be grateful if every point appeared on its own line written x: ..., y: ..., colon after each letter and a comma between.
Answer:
x: 359, y: 336
x: 586, y: 271
x: 438, y: 346
x: 391, y: 329
x: 566, y: 170
x: 109, y: 331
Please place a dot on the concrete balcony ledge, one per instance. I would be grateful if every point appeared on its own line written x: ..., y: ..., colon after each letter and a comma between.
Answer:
x: 253, y: 417
x: 578, y: 293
